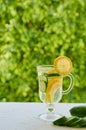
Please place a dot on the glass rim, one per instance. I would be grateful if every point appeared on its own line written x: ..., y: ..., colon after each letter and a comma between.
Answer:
x: 43, y: 66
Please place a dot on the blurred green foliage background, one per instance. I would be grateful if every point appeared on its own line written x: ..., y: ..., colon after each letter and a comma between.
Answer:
x: 34, y: 32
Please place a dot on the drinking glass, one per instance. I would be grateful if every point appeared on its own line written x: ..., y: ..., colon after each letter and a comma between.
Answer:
x: 44, y: 80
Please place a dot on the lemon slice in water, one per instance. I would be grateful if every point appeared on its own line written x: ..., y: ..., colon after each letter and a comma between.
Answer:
x: 53, y: 85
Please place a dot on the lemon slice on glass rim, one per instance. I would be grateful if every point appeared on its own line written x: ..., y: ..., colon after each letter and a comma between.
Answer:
x: 63, y: 65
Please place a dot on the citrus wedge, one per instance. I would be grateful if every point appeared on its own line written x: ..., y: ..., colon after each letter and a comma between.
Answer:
x: 53, y: 85
x: 63, y: 65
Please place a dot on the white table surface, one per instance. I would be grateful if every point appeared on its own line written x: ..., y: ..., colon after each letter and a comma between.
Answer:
x: 24, y: 116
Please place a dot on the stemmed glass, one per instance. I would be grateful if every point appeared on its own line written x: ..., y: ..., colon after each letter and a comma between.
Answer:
x: 51, y: 89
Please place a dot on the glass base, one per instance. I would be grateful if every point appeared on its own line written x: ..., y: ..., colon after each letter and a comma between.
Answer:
x: 49, y: 117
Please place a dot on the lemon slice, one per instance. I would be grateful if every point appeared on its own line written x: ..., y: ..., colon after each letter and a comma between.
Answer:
x: 63, y: 65
x: 52, y: 73
x: 53, y: 85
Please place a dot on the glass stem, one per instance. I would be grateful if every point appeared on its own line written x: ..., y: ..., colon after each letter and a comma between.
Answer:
x: 50, y: 110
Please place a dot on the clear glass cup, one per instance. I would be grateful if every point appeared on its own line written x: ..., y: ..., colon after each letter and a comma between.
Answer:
x: 53, y: 83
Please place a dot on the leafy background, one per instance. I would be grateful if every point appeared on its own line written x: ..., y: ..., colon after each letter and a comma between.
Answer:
x: 34, y: 32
